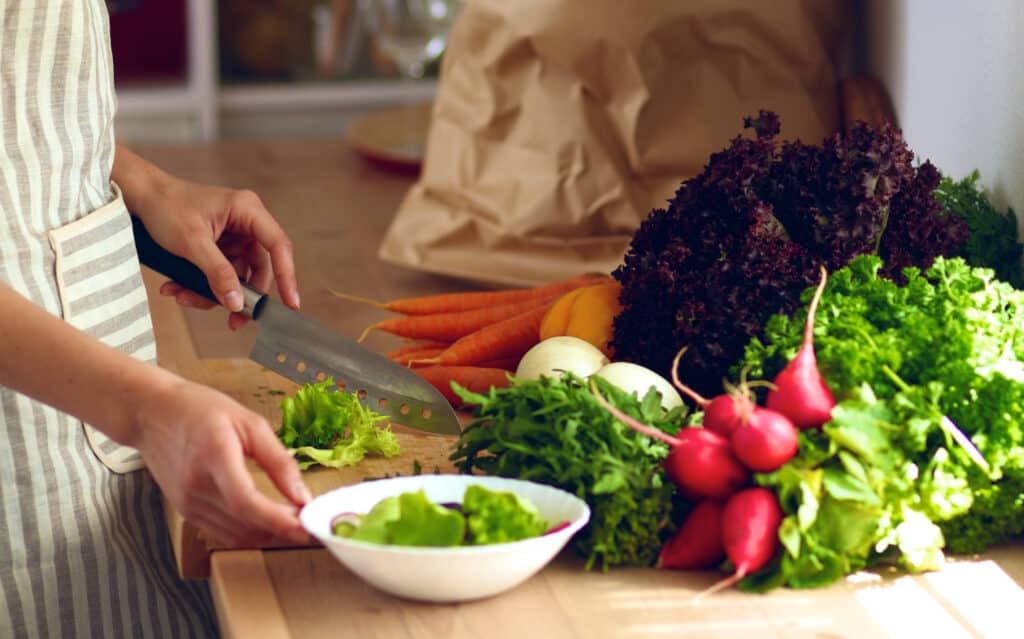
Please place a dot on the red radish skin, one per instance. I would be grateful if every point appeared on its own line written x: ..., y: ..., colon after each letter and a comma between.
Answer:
x: 727, y: 412
x: 698, y: 542
x: 724, y: 413
x: 701, y: 463
x: 766, y: 441
x: 750, y: 533
x: 800, y: 393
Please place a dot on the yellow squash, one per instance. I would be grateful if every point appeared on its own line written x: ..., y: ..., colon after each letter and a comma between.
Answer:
x: 586, y: 313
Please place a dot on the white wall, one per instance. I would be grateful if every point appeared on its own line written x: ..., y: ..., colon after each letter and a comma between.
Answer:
x: 953, y: 69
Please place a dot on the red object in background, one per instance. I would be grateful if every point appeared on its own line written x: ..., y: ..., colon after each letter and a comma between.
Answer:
x: 149, y: 41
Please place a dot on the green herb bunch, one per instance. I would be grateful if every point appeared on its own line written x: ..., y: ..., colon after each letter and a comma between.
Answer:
x: 555, y: 432
x: 992, y: 239
x: 925, y: 449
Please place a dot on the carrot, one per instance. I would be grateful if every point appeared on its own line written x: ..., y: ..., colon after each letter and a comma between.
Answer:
x: 418, y: 345
x: 474, y: 378
x: 413, y: 358
x: 507, y: 363
x: 457, y: 302
x: 511, y: 337
x: 448, y: 327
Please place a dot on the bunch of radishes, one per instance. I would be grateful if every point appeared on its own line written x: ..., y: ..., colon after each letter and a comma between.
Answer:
x: 712, y: 465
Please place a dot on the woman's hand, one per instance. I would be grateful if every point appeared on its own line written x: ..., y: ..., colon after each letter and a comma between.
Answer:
x: 227, y: 233
x: 194, y: 441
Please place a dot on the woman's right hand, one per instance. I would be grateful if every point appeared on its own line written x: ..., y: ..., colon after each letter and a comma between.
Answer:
x: 195, y: 440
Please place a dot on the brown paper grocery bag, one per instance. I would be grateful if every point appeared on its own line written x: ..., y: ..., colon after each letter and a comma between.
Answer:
x: 559, y: 124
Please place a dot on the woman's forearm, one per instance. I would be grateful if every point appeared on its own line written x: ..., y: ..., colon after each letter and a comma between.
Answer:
x: 138, y: 178
x: 51, y: 361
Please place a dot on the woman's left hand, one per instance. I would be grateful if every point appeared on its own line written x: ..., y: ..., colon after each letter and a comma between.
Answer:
x: 227, y: 233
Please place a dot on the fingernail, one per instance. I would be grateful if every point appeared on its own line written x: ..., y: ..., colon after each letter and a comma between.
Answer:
x: 301, y: 493
x: 297, y: 302
x: 233, y: 300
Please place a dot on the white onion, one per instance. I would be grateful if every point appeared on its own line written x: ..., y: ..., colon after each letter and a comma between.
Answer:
x: 634, y: 378
x: 556, y: 355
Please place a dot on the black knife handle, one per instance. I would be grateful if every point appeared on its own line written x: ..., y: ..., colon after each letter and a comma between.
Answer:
x: 168, y: 264
x: 186, y: 273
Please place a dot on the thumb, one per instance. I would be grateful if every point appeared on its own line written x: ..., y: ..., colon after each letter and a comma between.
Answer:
x: 274, y: 459
x: 219, y: 273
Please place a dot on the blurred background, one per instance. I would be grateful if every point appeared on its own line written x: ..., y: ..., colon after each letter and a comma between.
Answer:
x: 191, y: 70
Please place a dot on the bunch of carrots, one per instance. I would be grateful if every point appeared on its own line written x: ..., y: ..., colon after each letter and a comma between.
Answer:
x: 474, y: 339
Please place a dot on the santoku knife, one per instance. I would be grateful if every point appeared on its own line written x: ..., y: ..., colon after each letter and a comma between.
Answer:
x: 303, y: 350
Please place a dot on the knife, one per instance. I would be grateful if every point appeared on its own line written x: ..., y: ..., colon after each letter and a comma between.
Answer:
x: 298, y: 347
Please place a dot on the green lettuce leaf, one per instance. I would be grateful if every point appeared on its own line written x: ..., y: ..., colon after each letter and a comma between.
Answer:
x: 330, y: 427
x: 498, y: 517
x: 409, y: 519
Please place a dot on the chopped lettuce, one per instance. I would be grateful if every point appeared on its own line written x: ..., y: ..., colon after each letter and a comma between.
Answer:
x: 495, y: 518
x: 329, y: 427
x: 411, y: 519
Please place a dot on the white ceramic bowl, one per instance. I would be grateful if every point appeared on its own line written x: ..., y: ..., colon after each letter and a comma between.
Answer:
x: 444, y: 574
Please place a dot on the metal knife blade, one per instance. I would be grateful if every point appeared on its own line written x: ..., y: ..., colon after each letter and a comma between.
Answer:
x: 298, y: 347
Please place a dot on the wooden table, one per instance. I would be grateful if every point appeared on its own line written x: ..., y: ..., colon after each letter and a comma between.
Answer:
x: 336, y: 209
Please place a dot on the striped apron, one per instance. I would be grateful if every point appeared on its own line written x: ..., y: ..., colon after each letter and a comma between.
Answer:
x: 84, y: 550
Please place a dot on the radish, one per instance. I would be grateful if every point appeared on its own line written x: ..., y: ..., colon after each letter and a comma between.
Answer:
x: 800, y: 392
x: 750, y: 533
x: 701, y: 463
x: 766, y: 441
x: 727, y: 412
x: 724, y: 413
x: 698, y: 543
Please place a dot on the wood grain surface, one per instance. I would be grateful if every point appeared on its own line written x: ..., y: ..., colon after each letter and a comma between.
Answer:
x: 316, y: 594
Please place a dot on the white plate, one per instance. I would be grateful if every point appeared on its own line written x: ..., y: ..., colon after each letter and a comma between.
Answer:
x: 393, y: 138
x: 444, y: 574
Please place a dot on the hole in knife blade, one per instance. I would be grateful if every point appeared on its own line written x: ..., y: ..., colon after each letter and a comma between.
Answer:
x: 321, y: 376
x: 281, y: 358
x: 361, y: 394
x: 383, y: 403
x: 426, y: 413
x: 404, y: 409
x: 301, y: 367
